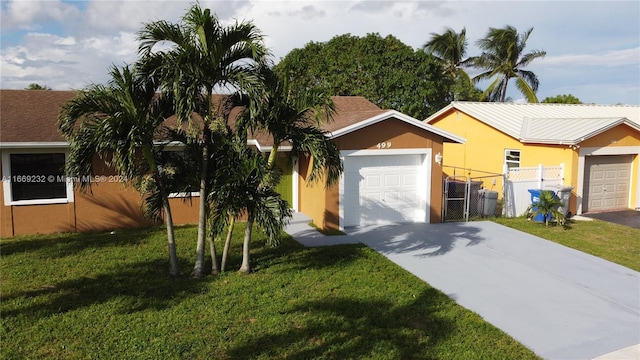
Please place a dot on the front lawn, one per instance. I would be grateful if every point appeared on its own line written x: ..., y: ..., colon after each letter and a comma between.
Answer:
x: 613, y: 242
x: 109, y: 296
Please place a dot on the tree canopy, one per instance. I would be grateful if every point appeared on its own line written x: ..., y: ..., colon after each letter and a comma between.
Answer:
x: 450, y: 48
x: 36, y: 86
x: 386, y: 71
x: 562, y: 99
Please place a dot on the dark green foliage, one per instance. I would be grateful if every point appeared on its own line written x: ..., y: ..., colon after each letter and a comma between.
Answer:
x: 35, y: 86
x: 389, y: 73
x: 562, y: 99
x: 450, y: 48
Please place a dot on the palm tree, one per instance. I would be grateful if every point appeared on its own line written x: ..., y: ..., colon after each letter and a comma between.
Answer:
x: 503, y: 58
x: 203, y: 55
x: 547, y: 206
x: 293, y: 117
x: 118, y: 123
x: 450, y: 48
x: 296, y: 118
x: 244, y: 191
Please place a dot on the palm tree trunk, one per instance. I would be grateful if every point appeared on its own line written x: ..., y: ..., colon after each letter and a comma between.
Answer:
x: 198, y: 268
x: 273, y: 155
x: 246, y: 266
x: 171, y: 240
x: 214, y: 259
x: 227, y: 243
x: 503, y: 96
x: 173, y: 257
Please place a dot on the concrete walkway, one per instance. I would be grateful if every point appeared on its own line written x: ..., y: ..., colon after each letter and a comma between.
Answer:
x: 559, y: 302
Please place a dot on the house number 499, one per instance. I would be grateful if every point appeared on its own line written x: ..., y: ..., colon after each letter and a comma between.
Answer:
x: 384, y: 145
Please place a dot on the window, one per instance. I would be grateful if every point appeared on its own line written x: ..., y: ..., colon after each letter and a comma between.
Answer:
x: 35, y: 178
x: 512, y: 158
x: 177, y: 162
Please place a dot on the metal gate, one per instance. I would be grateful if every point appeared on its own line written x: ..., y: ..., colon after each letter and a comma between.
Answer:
x: 460, y: 198
x: 461, y: 193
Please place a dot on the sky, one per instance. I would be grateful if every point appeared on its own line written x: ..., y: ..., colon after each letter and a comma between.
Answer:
x: 593, y: 47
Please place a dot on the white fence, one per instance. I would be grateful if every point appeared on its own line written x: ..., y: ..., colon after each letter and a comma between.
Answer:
x: 518, y: 181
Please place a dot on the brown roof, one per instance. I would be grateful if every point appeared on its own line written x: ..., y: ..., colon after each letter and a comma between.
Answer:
x: 31, y: 115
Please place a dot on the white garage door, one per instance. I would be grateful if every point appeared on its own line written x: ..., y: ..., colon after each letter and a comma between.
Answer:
x: 607, y: 182
x: 384, y: 189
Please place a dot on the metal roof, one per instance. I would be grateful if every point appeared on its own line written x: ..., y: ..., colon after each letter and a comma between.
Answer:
x: 547, y: 123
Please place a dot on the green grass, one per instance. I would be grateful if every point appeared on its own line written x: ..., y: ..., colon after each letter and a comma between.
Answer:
x: 109, y: 296
x: 616, y: 243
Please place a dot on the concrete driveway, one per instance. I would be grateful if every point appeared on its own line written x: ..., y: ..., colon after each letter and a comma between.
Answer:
x: 559, y: 302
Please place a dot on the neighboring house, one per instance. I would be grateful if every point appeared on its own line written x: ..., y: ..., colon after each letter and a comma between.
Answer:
x: 598, y: 146
x: 389, y: 161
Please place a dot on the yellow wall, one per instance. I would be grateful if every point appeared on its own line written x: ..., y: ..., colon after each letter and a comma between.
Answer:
x: 485, y: 146
x: 311, y: 196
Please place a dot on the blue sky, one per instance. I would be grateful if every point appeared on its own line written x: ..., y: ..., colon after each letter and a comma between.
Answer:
x: 593, y: 47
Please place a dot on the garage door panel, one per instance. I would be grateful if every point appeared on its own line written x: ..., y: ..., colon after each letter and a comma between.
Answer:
x: 607, y: 182
x: 391, y: 180
x: 387, y: 191
x: 373, y: 181
x: 391, y: 198
x: 410, y: 180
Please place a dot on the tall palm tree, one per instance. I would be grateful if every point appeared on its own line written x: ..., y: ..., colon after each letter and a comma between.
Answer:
x: 296, y: 118
x: 243, y: 190
x: 503, y: 57
x: 118, y: 123
x: 450, y: 48
x: 203, y: 55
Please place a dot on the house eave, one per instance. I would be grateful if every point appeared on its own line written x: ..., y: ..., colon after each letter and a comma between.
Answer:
x: 34, y: 145
x: 402, y: 117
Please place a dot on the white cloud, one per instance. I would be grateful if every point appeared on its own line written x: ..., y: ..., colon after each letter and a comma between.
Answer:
x: 29, y: 15
x: 71, y: 44
x: 607, y: 58
x: 64, y: 63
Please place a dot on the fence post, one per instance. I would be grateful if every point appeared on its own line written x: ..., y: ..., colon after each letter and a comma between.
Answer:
x: 505, y: 197
x: 540, y: 172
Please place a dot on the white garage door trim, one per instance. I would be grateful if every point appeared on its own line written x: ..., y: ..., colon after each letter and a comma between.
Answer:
x: 424, y: 178
x: 619, y: 150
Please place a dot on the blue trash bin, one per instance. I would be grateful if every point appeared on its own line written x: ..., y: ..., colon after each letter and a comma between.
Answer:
x: 535, y: 199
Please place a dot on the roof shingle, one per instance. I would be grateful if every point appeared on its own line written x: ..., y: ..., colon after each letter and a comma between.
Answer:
x: 31, y: 115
